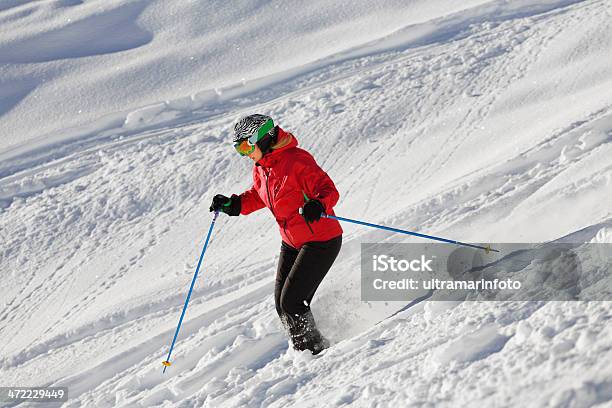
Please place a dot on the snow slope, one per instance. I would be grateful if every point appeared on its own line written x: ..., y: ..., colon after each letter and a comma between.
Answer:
x: 103, y: 57
x: 489, y: 121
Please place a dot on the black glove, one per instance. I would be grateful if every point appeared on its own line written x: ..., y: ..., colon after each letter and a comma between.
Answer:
x: 312, y: 210
x: 230, y: 206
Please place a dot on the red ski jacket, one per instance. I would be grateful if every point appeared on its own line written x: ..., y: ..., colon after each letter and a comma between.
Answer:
x: 280, y: 180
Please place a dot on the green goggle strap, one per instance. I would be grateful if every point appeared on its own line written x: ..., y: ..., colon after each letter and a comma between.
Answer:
x: 265, y: 128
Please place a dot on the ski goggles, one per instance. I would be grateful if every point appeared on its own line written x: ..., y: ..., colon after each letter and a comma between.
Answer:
x: 246, y: 145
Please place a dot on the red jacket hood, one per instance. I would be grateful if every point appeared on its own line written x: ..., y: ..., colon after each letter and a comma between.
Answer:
x: 284, y: 141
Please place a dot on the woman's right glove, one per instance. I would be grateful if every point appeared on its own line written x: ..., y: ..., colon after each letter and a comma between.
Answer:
x: 312, y: 210
x: 230, y: 206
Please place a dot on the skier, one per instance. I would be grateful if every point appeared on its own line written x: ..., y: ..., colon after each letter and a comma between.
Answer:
x: 287, y: 179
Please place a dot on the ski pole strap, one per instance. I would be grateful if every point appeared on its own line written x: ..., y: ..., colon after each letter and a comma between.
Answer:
x: 487, y: 248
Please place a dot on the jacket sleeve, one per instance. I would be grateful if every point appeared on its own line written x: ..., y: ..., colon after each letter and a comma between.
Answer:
x: 250, y: 200
x: 316, y: 183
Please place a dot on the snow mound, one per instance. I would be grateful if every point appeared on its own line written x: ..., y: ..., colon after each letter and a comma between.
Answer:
x: 472, y: 346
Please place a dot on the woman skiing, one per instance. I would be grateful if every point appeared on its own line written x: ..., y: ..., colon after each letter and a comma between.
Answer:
x: 288, y: 181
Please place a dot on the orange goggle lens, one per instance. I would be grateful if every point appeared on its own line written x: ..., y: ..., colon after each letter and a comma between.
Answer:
x: 244, y: 147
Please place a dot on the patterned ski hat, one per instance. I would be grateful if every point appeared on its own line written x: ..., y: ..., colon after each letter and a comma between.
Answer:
x: 250, y: 125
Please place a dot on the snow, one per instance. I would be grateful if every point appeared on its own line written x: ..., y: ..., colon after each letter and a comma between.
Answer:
x: 105, y: 56
x: 476, y: 345
x: 477, y: 120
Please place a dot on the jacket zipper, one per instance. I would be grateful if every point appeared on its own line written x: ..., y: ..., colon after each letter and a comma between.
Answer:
x: 272, y: 208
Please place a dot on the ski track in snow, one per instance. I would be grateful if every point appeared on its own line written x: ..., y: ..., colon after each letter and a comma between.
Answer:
x: 101, y: 230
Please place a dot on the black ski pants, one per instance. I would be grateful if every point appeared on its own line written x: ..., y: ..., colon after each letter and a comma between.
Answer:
x: 300, y: 272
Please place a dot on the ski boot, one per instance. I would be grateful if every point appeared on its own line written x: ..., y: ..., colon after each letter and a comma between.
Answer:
x: 303, y: 333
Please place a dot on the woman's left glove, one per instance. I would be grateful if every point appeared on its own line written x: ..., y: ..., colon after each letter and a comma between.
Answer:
x: 228, y: 205
x: 312, y: 210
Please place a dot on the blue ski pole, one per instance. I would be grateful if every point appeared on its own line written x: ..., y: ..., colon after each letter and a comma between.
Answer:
x: 167, y: 362
x: 416, y: 234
